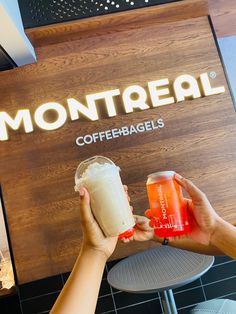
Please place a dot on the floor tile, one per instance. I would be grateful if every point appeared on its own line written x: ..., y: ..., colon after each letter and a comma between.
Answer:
x: 221, y: 259
x: 189, y: 297
x: 10, y: 305
x: 65, y: 276
x: 151, y: 307
x: 186, y: 310
x: 113, y: 263
x: 104, y: 304
x: 104, y: 288
x: 218, y: 289
x: 40, y: 287
x: 191, y: 285
x: 104, y: 275
x: 124, y: 299
x: 230, y: 297
x: 220, y: 272
x: 40, y: 304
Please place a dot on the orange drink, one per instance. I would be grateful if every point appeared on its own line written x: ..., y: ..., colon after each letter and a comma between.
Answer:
x: 168, y: 212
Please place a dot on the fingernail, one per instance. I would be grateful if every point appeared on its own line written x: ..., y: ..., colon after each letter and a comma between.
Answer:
x: 81, y: 192
x: 148, y: 213
x: 178, y: 176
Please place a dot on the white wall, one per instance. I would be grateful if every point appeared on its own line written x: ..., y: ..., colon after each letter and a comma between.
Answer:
x: 12, y: 8
x: 228, y: 51
x: 12, y: 35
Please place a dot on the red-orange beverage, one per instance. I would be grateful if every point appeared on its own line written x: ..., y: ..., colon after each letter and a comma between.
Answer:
x: 168, y: 212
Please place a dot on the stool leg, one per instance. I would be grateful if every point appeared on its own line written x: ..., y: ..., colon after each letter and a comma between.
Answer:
x: 165, y: 302
x: 168, y: 302
x: 172, y: 301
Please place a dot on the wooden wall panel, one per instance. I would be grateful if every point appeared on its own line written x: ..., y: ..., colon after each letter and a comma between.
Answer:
x: 37, y: 169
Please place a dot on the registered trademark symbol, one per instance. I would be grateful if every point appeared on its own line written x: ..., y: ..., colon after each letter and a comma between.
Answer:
x: 212, y: 74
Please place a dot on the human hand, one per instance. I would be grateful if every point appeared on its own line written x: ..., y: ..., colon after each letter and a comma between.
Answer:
x: 93, y: 237
x: 142, y: 230
x: 203, y: 217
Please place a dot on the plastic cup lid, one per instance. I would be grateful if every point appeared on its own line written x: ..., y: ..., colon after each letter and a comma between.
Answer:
x: 87, y: 162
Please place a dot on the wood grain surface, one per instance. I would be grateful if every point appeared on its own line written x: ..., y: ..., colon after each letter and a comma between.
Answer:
x: 223, y: 14
x: 37, y: 169
x: 117, y: 22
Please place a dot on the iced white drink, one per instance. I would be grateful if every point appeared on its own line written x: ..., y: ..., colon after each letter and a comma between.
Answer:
x: 109, y: 201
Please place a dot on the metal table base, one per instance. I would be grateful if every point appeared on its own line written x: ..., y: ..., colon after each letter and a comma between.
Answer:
x: 168, y: 302
x: 159, y: 270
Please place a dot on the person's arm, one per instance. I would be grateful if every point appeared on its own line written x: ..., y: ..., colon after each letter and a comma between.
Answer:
x: 143, y: 232
x: 210, y: 234
x: 80, y: 292
x: 224, y: 237
x: 189, y: 244
x: 208, y: 227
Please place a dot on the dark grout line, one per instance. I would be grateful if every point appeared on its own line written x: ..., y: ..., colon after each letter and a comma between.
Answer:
x: 226, y: 295
x: 205, y: 284
x: 213, y: 266
x: 204, y: 294
x: 39, y: 296
x: 220, y: 280
x: 62, y: 279
x: 184, y: 290
x: 160, y: 302
x: 110, y: 311
x: 186, y: 307
x: 106, y: 295
x: 131, y: 305
x: 113, y: 299
x: 21, y: 309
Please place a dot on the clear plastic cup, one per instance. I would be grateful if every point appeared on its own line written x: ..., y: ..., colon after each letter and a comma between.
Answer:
x: 109, y: 202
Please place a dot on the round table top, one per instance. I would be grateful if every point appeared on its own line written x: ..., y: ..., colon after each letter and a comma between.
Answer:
x: 158, y: 269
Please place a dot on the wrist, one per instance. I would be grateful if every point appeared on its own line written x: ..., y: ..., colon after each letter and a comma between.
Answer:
x: 157, y: 239
x: 216, y: 233
x: 94, y: 252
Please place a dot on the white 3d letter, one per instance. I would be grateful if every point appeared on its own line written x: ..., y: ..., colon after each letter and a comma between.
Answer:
x: 108, y: 96
x: 192, y: 89
x: 75, y: 107
x: 22, y: 116
x: 156, y: 93
x: 206, y: 85
x: 40, y: 112
x: 140, y: 102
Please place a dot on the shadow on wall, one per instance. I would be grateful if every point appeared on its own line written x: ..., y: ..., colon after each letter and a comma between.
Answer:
x: 228, y: 51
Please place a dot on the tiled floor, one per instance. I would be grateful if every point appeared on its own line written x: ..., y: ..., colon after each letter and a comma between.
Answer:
x: 38, y: 297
